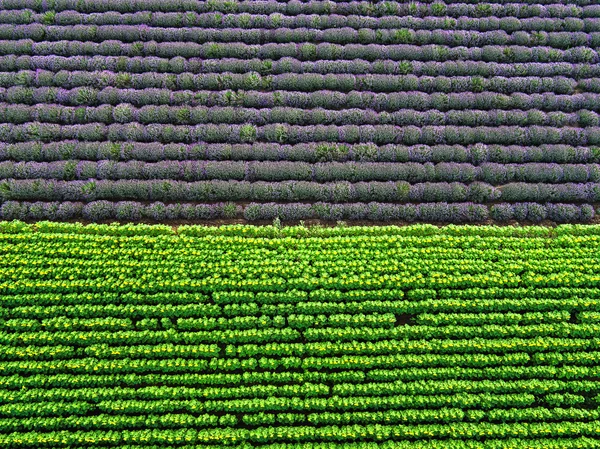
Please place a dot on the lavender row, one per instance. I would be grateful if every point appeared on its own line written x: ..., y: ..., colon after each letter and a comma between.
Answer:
x: 451, y: 38
x: 37, y: 65
x: 325, y: 21
x: 285, y: 191
x: 282, y: 133
x: 306, y: 82
x: 560, y: 213
x: 567, y: 192
x: 126, y: 113
x: 326, y: 99
x: 304, y: 152
x: 428, y: 212
x: 124, y: 210
x: 500, y: 8
x: 304, y: 52
x: 492, y: 173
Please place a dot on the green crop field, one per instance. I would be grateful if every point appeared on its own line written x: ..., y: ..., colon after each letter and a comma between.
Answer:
x: 144, y: 337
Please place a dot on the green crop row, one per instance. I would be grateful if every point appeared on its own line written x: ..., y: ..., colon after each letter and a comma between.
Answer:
x: 302, y: 434
x: 307, y: 390
x: 507, y: 373
x: 409, y: 416
x: 418, y: 230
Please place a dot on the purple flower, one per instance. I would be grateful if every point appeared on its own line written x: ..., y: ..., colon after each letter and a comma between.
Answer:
x: 98, y: 210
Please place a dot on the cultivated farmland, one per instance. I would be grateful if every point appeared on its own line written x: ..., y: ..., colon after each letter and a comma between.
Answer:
x: 191, y: 110
x: 415, y: 337
x: 387, y: 331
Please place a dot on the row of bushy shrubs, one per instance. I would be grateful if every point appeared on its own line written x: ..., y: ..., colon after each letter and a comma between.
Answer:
x: 305, y: 51
x: 127, y: 113
x: 543, y: 105
x: 489, y: 172
x: 497, y: 8
x: 428, y: 212
x: 340, y: 191
x: 320, y: 22
x: 124, y: 210
x: 302, y: 152
x: 307, y: 82
x: 39, y: 65
x: 194, y: 115
x: 453, y: 38
x: 509, y: 24
x: 284, y: 133
x: 432, y: 212
x: 343, y: 191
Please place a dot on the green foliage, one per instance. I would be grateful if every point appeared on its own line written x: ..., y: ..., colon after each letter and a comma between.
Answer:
x: 48, y: 18
x: 86, y: 96
x: 248, y: 133
x: 438, y: 9
x: 477, y: 84
x: 150, y: 336
x: 331, y: 152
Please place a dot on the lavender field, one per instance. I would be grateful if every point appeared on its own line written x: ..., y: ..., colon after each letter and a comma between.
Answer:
x: 165, y: 110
